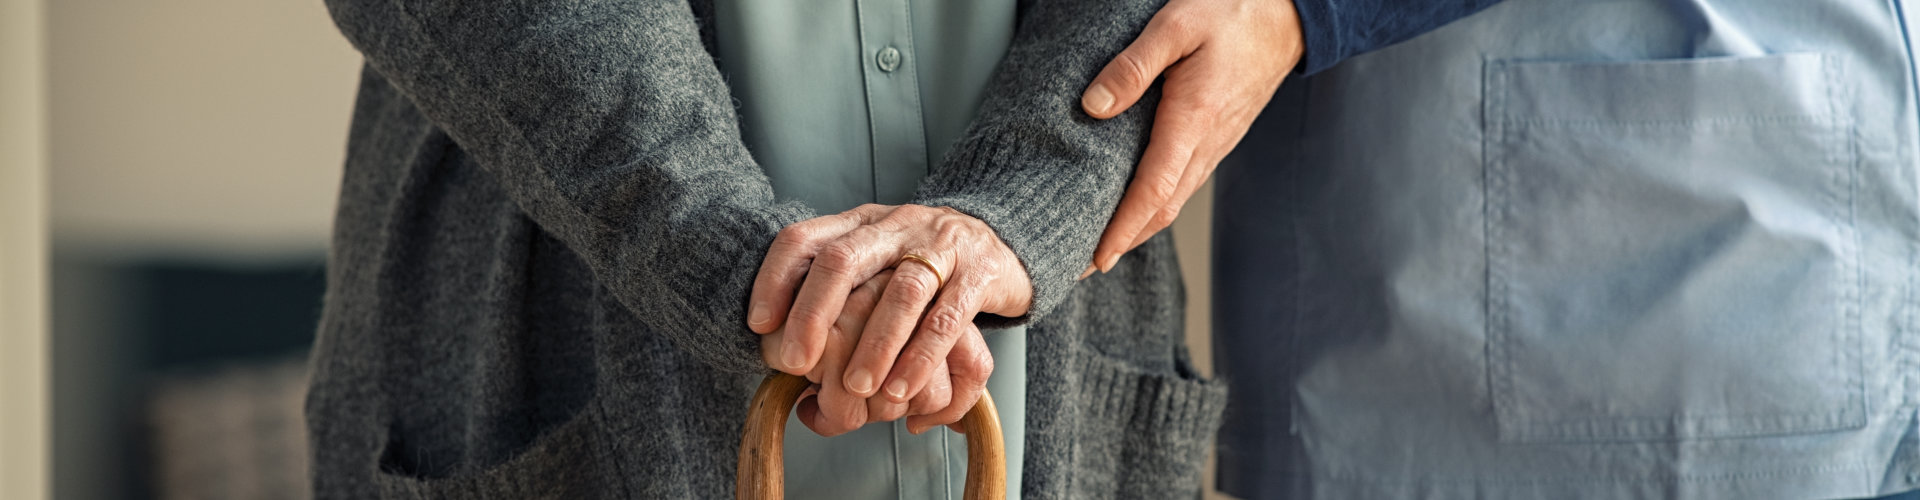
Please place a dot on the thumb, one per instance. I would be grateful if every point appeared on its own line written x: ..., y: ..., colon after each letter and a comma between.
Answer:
x: 1127, y: 77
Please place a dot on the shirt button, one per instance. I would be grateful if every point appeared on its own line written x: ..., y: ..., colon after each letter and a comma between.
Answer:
x: 888, y: 59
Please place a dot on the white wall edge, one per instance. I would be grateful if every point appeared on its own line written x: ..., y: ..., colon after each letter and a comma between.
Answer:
x: 24, y: 397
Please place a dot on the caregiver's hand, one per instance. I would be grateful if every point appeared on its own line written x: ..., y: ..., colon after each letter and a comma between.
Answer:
x: 917, y: 321
x: 1223, y: 60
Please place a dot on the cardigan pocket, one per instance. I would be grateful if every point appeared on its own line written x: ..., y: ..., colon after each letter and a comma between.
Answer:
x: 1671, y: 250
x: 569, y: 461
x: 1146, y: 434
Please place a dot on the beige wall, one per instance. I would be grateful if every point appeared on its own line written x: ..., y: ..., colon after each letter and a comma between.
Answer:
x: 204, y: 125
x: 201, y: 128
x: 23, y: 306
x: 1193, y: 235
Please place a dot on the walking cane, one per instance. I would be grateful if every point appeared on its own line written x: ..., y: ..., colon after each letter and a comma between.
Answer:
x: 762, y: 478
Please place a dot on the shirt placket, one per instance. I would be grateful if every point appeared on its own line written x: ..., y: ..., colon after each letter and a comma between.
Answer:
x: 898, y: 133
x: 893, y: 99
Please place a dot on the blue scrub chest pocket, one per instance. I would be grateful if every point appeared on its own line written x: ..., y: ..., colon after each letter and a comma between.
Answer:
x: 1647, y: 219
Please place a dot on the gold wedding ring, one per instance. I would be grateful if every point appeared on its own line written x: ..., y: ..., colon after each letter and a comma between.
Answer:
x: 942, y: 280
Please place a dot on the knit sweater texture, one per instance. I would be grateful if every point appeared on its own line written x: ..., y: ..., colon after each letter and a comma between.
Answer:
x: 549, y: 225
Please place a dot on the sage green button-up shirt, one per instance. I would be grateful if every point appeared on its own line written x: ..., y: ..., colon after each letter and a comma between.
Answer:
x: 846, y: 102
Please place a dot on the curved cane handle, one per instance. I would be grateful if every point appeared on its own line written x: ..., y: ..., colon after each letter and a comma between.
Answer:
x: 762, y: 477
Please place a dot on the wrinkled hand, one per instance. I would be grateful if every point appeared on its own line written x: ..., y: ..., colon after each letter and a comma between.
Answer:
x: 915, y: 324
x: 826, y: 407
x: 1222, y: 60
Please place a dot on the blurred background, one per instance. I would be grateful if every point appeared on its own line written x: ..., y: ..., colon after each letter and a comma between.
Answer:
x: 193, y: 152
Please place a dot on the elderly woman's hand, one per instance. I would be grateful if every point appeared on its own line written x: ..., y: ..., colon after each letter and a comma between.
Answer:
x: 1223, y: 60
x: 826, y: 407
x: 923, y: 318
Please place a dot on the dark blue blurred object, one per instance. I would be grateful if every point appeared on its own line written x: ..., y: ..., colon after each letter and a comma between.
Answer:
x: 195, y: 314
x: 127, y: 324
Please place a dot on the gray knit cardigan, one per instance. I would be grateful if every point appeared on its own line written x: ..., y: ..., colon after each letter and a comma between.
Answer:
x: 549, y: 225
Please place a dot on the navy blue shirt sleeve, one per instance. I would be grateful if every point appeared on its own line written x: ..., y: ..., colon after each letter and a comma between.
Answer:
x: 1335, y: 30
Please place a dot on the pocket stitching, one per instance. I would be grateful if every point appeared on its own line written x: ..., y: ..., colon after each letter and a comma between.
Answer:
x: 1839, y: 195
x: 1743, y: 120
x: 1500, y: 365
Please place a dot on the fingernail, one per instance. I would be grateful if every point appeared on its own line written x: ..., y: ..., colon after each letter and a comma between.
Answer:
x: 897, y: 389
x: 860, y: 381
x: 1097, y: 99
x: 791, y: 355
x: 758, y: 315
x: 1106, y: 264
x: 1088, y: 272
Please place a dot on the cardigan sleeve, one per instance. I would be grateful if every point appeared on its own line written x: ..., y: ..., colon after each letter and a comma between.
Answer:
x: 1335, y: 30
x: 1032, y: 165
x: 609, y: 125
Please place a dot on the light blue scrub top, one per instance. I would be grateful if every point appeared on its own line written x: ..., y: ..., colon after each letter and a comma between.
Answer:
x: 1583, y: 249
x: 848, y: 102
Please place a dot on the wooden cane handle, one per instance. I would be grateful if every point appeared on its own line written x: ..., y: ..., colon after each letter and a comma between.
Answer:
x: 763, y: 477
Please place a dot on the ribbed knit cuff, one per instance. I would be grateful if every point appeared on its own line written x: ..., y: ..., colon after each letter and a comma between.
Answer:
x: 1164, y: 404
x: 1146, y: 432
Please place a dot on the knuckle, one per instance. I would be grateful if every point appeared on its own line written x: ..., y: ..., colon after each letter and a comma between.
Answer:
x: 920, y: 406
x: 1182, y: 23
x: 837, y: 257
x: 920, y: 356
x: 987, y: 266
x: 1134, y: 71
x: 941, y: 385
x: 795, y: 233
x: 913, y: 288
x: 865, y: 293
x: 976, y: 367
x: 809, y: 315
x: 918, y: 211
x: 879, y: 345
x: 1166, y: 216
x: 885, y: 412
x: 1162, y: 185
x: 875, y: 288
x: 851, y: 418
x: 950, y: 229
x: 944, y: 324
x: 792, y: 242
x: 787, y: 242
